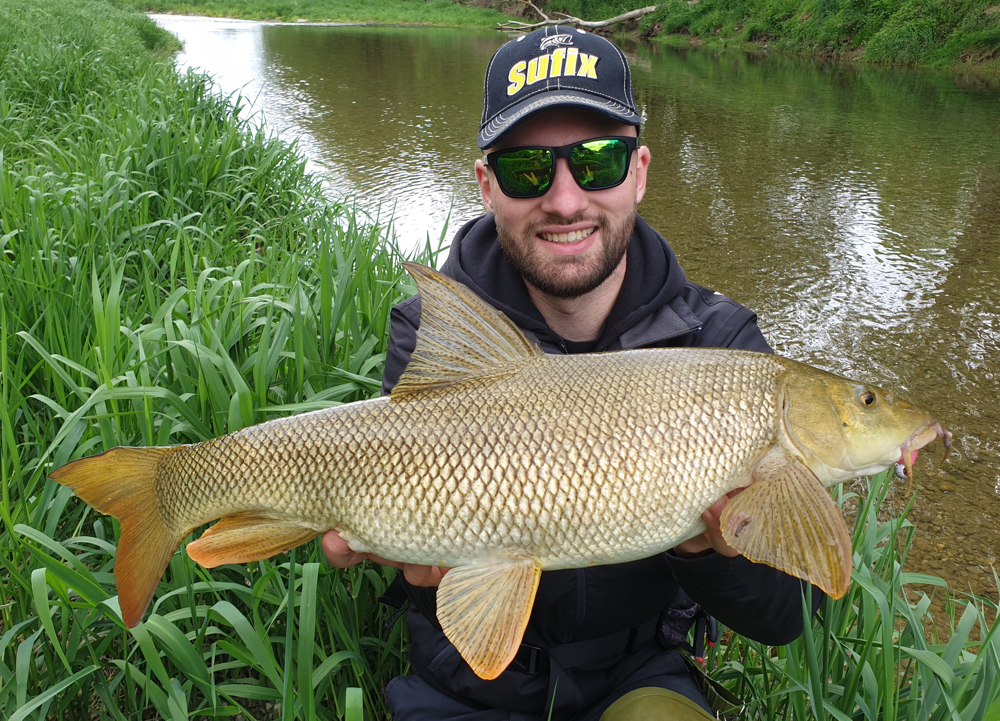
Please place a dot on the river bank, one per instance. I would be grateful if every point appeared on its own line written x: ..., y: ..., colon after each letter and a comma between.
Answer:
x: 168, y: 273
x: 381, y: 12
x: 931, y: 33
x: 923, y: 33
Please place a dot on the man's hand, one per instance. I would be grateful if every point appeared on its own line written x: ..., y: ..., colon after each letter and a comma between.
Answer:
x: 340, y: 555
x: 712, y: 538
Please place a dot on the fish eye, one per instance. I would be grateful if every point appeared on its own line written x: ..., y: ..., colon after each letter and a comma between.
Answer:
x: 867, y: 397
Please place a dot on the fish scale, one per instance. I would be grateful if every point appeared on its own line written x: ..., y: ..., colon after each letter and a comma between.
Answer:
x: 575, y: 460
x: 497, y: 461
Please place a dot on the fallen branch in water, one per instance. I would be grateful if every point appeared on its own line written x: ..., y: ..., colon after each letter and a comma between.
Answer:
x: 570, y: 20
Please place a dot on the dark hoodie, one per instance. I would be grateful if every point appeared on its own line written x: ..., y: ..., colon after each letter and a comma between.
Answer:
x: 657, y: 307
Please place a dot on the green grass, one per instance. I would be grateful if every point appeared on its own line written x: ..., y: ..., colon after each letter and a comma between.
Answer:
x: 408, y: 12
x: 916, y: 32
x: 878, y: 653
x: 168, y: 274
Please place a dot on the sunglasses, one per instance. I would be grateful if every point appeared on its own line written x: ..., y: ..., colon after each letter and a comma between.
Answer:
x: 596, y: 164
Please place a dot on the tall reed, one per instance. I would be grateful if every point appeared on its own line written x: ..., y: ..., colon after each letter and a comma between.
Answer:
x: 878, y: 653
x: 168, y: 273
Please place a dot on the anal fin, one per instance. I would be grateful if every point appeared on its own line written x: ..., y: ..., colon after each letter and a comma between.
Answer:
x: 484, y: 609
x: 246, y: 538
x: 786, y: 519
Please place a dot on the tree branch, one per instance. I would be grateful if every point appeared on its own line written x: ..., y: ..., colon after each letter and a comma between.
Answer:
x: 570, y: 20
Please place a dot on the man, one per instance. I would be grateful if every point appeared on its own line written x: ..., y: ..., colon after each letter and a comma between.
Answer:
x: 564, y: 255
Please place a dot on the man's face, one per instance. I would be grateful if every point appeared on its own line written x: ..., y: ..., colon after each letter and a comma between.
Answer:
x: 570, y: 240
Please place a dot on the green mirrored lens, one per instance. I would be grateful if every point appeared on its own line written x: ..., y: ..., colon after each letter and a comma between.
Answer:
x: 599, y: 163
x: 524, y: 173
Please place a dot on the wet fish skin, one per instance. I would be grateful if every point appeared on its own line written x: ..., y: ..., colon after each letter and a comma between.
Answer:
x: 585, y: 473
x: 500, y: 461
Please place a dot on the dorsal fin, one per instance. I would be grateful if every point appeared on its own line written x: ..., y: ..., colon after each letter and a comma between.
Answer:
x: 460, y: 336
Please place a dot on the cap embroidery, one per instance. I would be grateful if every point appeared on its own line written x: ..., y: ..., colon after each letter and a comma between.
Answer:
x: 555, y: 40
x: 560, y: 62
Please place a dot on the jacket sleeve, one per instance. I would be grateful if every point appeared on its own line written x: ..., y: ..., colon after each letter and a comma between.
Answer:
x: 404, y: 320
x: 724, y: 322
x: 756, y: 601
x: 749, y: 337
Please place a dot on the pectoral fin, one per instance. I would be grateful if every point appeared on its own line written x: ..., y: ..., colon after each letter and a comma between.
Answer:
x: 787, y: 520
x: 484, y: 609
x: 247, y: 538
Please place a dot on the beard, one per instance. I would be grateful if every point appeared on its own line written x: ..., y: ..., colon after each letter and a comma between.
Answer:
x: 567, y: 276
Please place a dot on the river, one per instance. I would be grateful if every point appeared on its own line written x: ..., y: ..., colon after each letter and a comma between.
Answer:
x: 855, y: 209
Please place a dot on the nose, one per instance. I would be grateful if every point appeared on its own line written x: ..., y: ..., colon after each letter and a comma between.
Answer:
x: 564, y: 199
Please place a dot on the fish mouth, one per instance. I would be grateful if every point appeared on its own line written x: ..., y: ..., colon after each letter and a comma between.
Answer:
x: 911, y: 446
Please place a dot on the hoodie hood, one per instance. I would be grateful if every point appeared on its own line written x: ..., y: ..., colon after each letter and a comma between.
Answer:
x: 648, y: 309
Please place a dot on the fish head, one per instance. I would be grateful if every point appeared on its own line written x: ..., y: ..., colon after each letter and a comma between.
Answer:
x: 845, y: 428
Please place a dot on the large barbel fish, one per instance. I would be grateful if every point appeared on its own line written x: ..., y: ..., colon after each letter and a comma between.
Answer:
x: 500, y: 461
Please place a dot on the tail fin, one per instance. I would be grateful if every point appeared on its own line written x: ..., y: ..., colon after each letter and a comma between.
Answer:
x: 120, y: 483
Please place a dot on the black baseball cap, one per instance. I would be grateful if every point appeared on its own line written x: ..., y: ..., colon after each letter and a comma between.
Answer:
x: 556, y: 66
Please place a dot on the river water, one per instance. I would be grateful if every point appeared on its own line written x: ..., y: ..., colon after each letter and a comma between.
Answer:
x: 856, y: 209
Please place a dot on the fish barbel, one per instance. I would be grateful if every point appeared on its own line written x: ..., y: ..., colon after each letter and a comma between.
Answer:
x: 500, y: 461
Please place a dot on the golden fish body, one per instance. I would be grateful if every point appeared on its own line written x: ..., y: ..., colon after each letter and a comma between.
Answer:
x: 573, y: 461
x: 497, y: 460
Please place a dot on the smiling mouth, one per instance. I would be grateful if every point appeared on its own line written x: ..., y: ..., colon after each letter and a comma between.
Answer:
x: 565, y: 238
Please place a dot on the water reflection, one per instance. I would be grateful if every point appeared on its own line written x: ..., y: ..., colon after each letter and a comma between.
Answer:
x: 233, y: 52
x: 386, y: 114
x: 872, y: 281
x: 404, y: 105
x: 856, y: 210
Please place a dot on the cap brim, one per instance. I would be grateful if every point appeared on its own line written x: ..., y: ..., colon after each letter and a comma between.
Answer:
x: 507, y: 119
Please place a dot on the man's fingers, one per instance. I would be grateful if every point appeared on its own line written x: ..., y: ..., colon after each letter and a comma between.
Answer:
x: 712, y: 537
x: 714, y: 513
x: 713, y: 532
x: 423, y: 575
x: 340, y: 555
